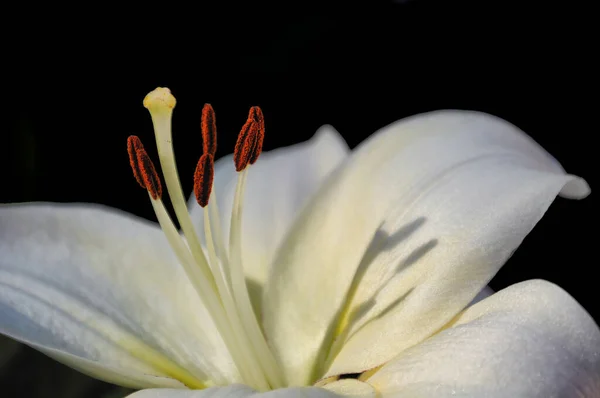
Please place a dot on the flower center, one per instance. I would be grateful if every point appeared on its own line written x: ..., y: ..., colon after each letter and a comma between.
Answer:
x: 217, y: 272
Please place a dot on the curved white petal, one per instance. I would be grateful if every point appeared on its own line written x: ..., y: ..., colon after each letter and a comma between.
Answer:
x: 236, y: 391
x: 278, y: 185
x: 440, y: 200
x: 99, y: 289
x: 529, y: 340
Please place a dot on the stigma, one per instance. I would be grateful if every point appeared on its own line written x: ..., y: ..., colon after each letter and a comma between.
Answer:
x: 216, y: 272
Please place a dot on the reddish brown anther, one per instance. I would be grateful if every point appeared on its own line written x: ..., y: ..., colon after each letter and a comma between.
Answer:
x: 250, y: 140
x: 133, y: 144
x: 209, y: 130
x: 143, y: 168
x: 203, y: 179
x: 256, y: 112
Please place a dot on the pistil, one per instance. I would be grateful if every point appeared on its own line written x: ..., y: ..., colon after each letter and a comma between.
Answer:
x: 160, y: 104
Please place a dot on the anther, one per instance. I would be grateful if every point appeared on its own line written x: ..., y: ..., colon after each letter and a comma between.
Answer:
x: 244, y: 145
x: 256, y: 112
x: 133, y: 144
x: 203, y: 179
x: 250, y: 139
x: 209, y: 130
x: 143, y: 168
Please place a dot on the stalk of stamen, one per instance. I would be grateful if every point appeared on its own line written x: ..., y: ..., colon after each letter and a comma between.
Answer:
x: 203, y: 182
x: 207, y: 295
x: 248, y: 146
x: 232, y: 313
x: 213, y: 208
x: 146, y: 176
x: 160, y: 104
x: 209, y: 146
x: 203, y: 178
x: 240, y: 290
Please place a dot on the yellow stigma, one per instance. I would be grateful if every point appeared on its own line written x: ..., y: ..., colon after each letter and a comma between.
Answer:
x: 159, y: 99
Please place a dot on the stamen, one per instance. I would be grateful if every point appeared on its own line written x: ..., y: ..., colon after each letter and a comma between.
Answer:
x: 203, y: 179
x: 209, y: 130
x: 214, y: 215
x: 250, y: 139
x: 248, y: 146
x: 240, y: 290
x: 143, y: 168
x: 209, y: 147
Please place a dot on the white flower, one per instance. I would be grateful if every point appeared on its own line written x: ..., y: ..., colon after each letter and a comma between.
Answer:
x: 359, y: 268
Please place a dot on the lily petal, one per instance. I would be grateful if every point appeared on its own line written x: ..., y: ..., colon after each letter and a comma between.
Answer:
x: 529, y: 340
x: 123, y: 376
x: 101, y: 291
x: 352, y: 388
x: 403, y: 237
x: 236, y: 391
x: 484, y: 293
x: 278, y: 185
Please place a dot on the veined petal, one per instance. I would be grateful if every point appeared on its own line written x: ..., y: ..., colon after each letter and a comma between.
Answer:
x: 529, y: 340
x: 403, y: 237
x: 236, y: 391
x: 94, y: 286
x: 278, y: 185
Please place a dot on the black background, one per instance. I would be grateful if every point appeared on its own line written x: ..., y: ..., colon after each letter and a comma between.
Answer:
x: 75, y: 78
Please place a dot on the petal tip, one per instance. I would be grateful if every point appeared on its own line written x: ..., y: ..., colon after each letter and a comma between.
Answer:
x: 575, y: 188
x: 328, y: 132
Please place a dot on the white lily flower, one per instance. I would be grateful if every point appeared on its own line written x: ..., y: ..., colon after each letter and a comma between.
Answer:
x: 341, y: 275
